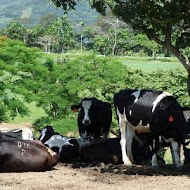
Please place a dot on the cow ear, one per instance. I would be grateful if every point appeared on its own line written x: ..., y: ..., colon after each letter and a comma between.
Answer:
x: 39, y: 130
x: 75, y: 108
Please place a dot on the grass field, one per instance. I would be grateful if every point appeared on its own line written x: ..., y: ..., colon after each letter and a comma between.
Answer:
x: 35, y: 113
x: 146, y: 64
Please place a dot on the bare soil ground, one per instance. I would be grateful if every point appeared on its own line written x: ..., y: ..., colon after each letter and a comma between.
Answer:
x: 97, y: 177
x: 76, y: 176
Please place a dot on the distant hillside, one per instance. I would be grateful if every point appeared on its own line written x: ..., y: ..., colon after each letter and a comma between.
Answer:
x: 11, y: 10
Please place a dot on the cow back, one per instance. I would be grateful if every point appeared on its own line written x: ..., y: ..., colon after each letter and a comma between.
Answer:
x: 109, y: 151
x: 24, y: 156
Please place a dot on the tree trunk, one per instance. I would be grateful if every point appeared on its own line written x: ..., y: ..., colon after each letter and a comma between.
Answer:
x: 188, y: 84
x: 154, y: 54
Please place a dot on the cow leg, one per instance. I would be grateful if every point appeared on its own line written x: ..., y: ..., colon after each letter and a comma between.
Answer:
x: 83, y: 138
x: 155, y: 149
x: 173, y: 156
x: 176, y: 151
x: 105, y: 133
x: 129, y: 139
x: 123, y: 141
x: 182, y: 154
x: 122, y: 126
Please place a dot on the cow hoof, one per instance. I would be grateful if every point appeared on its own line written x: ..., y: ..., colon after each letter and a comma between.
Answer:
x: 155, y: 167
x: 180, y: 167
x: 128, y: 163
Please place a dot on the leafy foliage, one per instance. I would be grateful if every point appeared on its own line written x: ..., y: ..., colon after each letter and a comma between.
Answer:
x: 26, y: 75
x: 157, y: 19
x: 56, y: 86
x: 13, y: 54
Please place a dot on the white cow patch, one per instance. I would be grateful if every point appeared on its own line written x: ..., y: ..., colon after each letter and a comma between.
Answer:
x: 168, y: 140
x: 58, y: 141
x: 136, y: 94
x: 142, y: 128
x: 86, y: 104
x: 27, y: 134
x: 17, y: 130
x: 159, y: 98
x: 186, y: 114
x: 43, y: 133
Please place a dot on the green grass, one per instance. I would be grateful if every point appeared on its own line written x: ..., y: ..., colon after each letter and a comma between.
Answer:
x: 35, y: 113
x: 148, y: 64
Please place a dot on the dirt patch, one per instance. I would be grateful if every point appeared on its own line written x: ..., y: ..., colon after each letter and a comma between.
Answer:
x: 97, y: 177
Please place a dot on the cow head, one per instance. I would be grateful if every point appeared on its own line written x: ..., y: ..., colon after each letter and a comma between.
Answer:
x: 85, y: 118
x: 84, y: 107
x: 46, y: 133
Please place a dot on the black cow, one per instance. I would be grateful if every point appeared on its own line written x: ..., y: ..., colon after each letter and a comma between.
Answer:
x: 94, y: 118
x: 108, y: 151
x: 25, y: 156
x: 186, y: 112
x: 20, y: 134
x: 151, y: 111
x: 67, y: 148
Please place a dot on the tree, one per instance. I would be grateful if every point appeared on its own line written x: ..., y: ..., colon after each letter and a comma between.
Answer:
x: 149, y: 45
x: 107, y: 30
x: 157, y: 19
x: 56, y: 86
x: 57, y: 35
x: 81, y: 25
x: 61, y: 28
x: 46, y: 41
x: 12, y: 93
x: 110, y: 35
x: 17, y: 31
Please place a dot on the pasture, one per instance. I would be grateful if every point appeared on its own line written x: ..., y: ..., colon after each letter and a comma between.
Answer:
x: 146, y: 64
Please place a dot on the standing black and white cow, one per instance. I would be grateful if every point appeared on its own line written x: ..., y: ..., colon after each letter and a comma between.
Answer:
x: 186, y: 113
x: 66, y: 148
x: 94, y: 118
x: 151, y: 111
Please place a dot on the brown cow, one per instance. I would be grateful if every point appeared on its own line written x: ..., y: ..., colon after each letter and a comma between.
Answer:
x: 109, y: 151
x: 25, y: 156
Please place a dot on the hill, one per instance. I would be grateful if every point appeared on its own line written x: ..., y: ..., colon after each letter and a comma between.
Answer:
x: 33, y: 10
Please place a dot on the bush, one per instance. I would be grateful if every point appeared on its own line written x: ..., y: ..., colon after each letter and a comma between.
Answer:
x: 13, y: 54
x: 27, y: 75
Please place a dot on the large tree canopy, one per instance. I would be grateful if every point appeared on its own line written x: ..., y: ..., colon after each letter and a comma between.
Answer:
x: 167, y: 22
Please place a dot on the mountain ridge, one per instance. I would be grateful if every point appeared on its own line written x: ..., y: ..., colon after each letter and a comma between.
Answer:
x: 33, y: 10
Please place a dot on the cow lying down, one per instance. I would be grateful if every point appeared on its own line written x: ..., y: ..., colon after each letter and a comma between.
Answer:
x: 109, y: 151
x: 25, y: 156
x: 21, y: 134
x: 66, y: 148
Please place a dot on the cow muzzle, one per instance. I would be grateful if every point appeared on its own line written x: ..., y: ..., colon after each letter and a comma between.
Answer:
x: 86, y: 122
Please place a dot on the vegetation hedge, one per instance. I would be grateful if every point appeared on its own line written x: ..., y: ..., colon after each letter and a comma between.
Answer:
x: 30, y: 76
